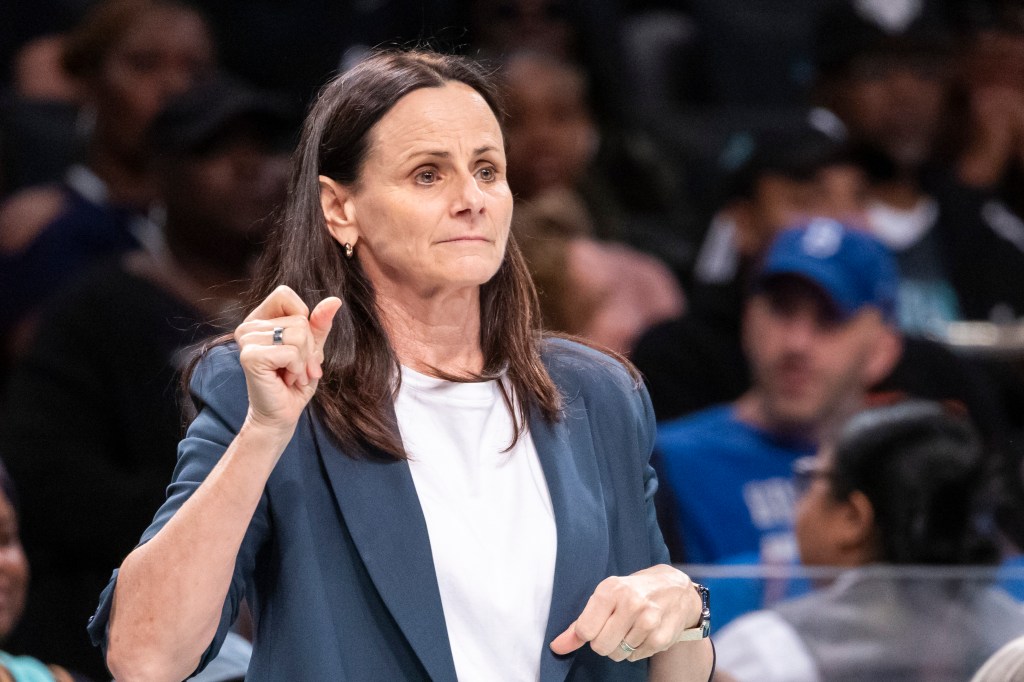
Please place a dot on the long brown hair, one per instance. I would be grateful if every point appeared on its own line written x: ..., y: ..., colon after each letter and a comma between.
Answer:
x: 355, y: 395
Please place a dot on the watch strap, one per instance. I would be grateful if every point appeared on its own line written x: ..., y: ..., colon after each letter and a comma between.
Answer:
x: 703, y: 628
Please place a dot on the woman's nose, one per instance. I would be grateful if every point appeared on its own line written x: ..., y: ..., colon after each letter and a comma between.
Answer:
x: 469, y: 196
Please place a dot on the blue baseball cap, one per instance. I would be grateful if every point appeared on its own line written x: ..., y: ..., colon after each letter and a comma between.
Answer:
x: 849, y: 265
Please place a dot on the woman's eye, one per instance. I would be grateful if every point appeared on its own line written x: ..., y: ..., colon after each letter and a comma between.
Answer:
x: 427, y: 177
x: 487, y: 174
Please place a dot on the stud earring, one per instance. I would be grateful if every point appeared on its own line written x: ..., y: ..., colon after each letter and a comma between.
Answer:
x: 349, y: 250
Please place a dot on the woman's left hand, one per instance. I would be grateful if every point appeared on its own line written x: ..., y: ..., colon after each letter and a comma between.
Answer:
x: 648, y: 611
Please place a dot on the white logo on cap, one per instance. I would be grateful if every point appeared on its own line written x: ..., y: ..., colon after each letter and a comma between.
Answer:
x: 822, y: 238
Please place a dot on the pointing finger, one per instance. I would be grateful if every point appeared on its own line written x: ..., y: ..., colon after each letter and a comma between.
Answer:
x: 567, y: 642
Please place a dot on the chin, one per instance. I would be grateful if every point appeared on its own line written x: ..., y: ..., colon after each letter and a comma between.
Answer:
x: 794, y: 417
x: 475, y: 274
x: 8, y: 620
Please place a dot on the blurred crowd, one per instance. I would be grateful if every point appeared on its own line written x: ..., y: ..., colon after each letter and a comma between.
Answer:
x: 784, y: 212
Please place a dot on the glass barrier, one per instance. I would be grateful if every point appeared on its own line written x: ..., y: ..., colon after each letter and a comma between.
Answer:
x: 984, y: 339
x: 883, y: 622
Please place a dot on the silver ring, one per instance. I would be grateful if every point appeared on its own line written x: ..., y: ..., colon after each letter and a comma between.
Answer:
x: 627, y: 648
x: 278, y: 336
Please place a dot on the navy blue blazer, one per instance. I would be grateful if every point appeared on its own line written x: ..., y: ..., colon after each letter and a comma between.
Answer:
x: 336, y: 563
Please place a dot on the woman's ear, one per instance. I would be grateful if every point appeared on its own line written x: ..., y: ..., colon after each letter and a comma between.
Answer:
x: 856, y: 526
x: 339, y: 211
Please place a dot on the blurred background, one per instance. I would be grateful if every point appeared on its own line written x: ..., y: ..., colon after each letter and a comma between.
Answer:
x: 656, y: 149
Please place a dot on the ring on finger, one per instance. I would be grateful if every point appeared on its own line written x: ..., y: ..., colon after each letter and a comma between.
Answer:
x: 278, y: 337
x: 626, y: 647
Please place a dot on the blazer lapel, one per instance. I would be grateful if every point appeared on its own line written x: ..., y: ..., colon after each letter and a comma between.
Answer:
x: 571, y: 469
x: 381, y: 509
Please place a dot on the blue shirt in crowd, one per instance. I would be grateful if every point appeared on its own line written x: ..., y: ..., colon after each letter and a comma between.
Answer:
x: 728, y: 498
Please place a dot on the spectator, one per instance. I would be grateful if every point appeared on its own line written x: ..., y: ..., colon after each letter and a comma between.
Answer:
x: 39, y: 115
x: 900, y: 486
x: 559, y: 152
x: 818, y: 333
x: 992, y: 82
x: 777, y: 179
x: 605, y: 292
x: 584, y: 33
x: 97, y: 431
x: 130, y: 55
x: 885, y: 71
x: 782, y: 178
x: 553, y: 140
x: 14, y: 573
x: 602, y: 290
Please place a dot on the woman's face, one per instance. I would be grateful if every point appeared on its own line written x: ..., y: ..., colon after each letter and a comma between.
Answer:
x: 551, y: 134
x: 161, y: 55
x: 13, y: 569
x: 432, y: 207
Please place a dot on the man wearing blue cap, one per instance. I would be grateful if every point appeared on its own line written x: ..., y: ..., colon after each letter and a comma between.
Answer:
x: 818, y: 331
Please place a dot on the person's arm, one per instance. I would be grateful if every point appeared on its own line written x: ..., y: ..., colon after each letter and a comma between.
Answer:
x: 169, y: 596
x: 684, y: 662
x: 170, y: 591
x: 650, y: 609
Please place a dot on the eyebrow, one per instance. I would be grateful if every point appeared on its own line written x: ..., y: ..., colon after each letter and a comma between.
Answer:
x: 445, y: 155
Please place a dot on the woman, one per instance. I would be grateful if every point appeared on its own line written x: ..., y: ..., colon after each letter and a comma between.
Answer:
x: 14, y: 574
x: 900, y: 488
x: 459, y: 492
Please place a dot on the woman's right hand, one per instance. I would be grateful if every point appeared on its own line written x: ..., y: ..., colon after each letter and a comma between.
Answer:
x: 281, y: 378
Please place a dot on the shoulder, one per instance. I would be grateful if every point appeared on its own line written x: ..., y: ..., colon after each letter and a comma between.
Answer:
x: 762, y: 646
x: 1006, y: 664
x: 611, y: 394
x: 220, y: 360
x: 578, y: 369
x: 218, y: 377
x: 24, y: 215
x: 704, y: 423
x: 28, y: 668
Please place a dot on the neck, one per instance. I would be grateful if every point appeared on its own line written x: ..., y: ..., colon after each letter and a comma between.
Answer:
x: 753, y: 408
x: 435, y: 332
x: 901, y: 194
x: 127, y: 183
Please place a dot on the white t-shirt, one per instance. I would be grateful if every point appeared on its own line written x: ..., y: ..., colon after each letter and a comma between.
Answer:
x: 490, y: 522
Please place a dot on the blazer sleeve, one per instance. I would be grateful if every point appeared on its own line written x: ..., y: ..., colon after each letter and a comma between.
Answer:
x: 219, y: 394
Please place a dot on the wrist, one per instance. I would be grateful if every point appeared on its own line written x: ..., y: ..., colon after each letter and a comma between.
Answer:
x: 265, y: 434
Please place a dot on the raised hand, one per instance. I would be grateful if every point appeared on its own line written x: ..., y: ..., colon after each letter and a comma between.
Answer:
x: 636, y: 616
x: 282, y: 348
